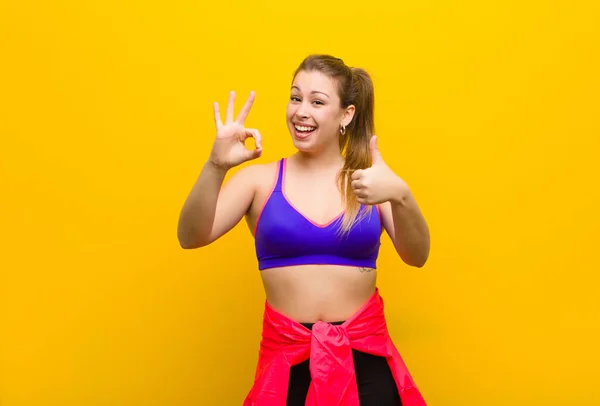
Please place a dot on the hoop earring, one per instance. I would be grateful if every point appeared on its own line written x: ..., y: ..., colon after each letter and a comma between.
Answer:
x: 342, y: 129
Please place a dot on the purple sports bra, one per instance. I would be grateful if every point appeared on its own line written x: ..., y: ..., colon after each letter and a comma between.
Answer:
x: 283, y: 236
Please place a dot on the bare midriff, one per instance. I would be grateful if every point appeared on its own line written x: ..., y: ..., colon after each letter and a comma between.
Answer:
x: 310, y: 293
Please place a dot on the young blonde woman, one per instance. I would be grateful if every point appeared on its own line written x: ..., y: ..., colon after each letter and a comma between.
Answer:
x: 317, y: 217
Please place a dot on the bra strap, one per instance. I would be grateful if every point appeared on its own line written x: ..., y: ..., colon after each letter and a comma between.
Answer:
x: 279, y: 183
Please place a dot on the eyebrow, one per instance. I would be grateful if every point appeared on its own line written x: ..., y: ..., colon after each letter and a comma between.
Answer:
x: 313, y: 92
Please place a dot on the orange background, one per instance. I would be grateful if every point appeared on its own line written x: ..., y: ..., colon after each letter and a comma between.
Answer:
x: 490, y: 111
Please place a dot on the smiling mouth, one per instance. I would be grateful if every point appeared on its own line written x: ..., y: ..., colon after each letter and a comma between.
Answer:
x: 304, y: 129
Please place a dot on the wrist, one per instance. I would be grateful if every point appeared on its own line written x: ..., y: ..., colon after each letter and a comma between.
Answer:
x: 216, y: 168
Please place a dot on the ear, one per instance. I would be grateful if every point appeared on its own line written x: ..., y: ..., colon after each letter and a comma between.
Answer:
x: 348, y: 115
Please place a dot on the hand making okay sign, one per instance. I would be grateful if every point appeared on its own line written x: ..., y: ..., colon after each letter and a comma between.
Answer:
x: 229, y: 147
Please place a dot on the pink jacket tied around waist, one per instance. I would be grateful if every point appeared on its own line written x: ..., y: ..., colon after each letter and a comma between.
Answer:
x: 286, y: 342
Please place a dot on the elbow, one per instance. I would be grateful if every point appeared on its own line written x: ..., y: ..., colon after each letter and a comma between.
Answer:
x: 188, y: 246
x: 419, y: 263
x: 420, y: 255
x: 190, y: 242
x: 415, y: 262
x: 421, y: 259
x: 415, y: 259
x: 186, y: 243
x: 191, y: 245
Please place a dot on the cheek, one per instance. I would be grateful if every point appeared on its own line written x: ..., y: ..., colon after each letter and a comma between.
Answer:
x: 327, y: 122
x: 290, y: 111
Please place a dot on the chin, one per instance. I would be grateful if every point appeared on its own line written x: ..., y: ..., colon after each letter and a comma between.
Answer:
x: 303, y: 146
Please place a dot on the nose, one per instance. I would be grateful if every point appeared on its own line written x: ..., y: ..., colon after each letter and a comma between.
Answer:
x: 301, y: 112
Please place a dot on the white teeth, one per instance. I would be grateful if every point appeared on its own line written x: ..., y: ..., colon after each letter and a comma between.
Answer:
x: 302, y: 128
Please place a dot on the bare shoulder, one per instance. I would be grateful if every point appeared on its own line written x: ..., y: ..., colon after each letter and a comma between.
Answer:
x: 265, y: 178
x: 265, y: 173
x: 260, y: 177
x: 253, y: 174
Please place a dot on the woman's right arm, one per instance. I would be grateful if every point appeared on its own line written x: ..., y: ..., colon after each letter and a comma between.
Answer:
x: 211, y: 210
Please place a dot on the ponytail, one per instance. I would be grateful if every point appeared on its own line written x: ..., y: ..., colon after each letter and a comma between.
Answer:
x: 355, y: 144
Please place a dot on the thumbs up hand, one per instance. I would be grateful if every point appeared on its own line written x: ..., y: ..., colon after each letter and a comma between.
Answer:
x: 378, y: 183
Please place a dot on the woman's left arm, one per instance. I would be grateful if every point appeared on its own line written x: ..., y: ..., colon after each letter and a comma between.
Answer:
x: 406, y: 226
x: 401, y: 216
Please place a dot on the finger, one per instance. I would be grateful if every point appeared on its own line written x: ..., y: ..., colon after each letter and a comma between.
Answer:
x: 257, y: 139
x: 356, y: 184
x: 253, y: 154
x: 356, y: 174
x: 362, y: 200
x: 218, y: 122
x: 375, y: 154
x: 254, y: 133
x: 257, y: 152
x: 241, y: 118
x: 230, y: 105
x: 360, y: 193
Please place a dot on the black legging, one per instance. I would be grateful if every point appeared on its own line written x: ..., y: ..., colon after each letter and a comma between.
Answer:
x: 376, y: 385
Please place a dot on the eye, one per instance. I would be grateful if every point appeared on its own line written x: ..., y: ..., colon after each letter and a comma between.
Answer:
x: 294, y: 98
x: 319, y: 102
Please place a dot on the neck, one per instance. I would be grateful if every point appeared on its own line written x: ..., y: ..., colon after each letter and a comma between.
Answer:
x: 319, y: 160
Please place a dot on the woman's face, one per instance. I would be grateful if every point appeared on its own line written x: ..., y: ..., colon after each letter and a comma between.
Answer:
x: 314, y: 113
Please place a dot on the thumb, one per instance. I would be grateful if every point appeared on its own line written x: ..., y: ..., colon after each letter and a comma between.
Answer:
x: 253, y: 153
x: 375, y: 154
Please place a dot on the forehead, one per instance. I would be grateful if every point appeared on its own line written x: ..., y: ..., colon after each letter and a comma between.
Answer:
x: 309, y: 81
